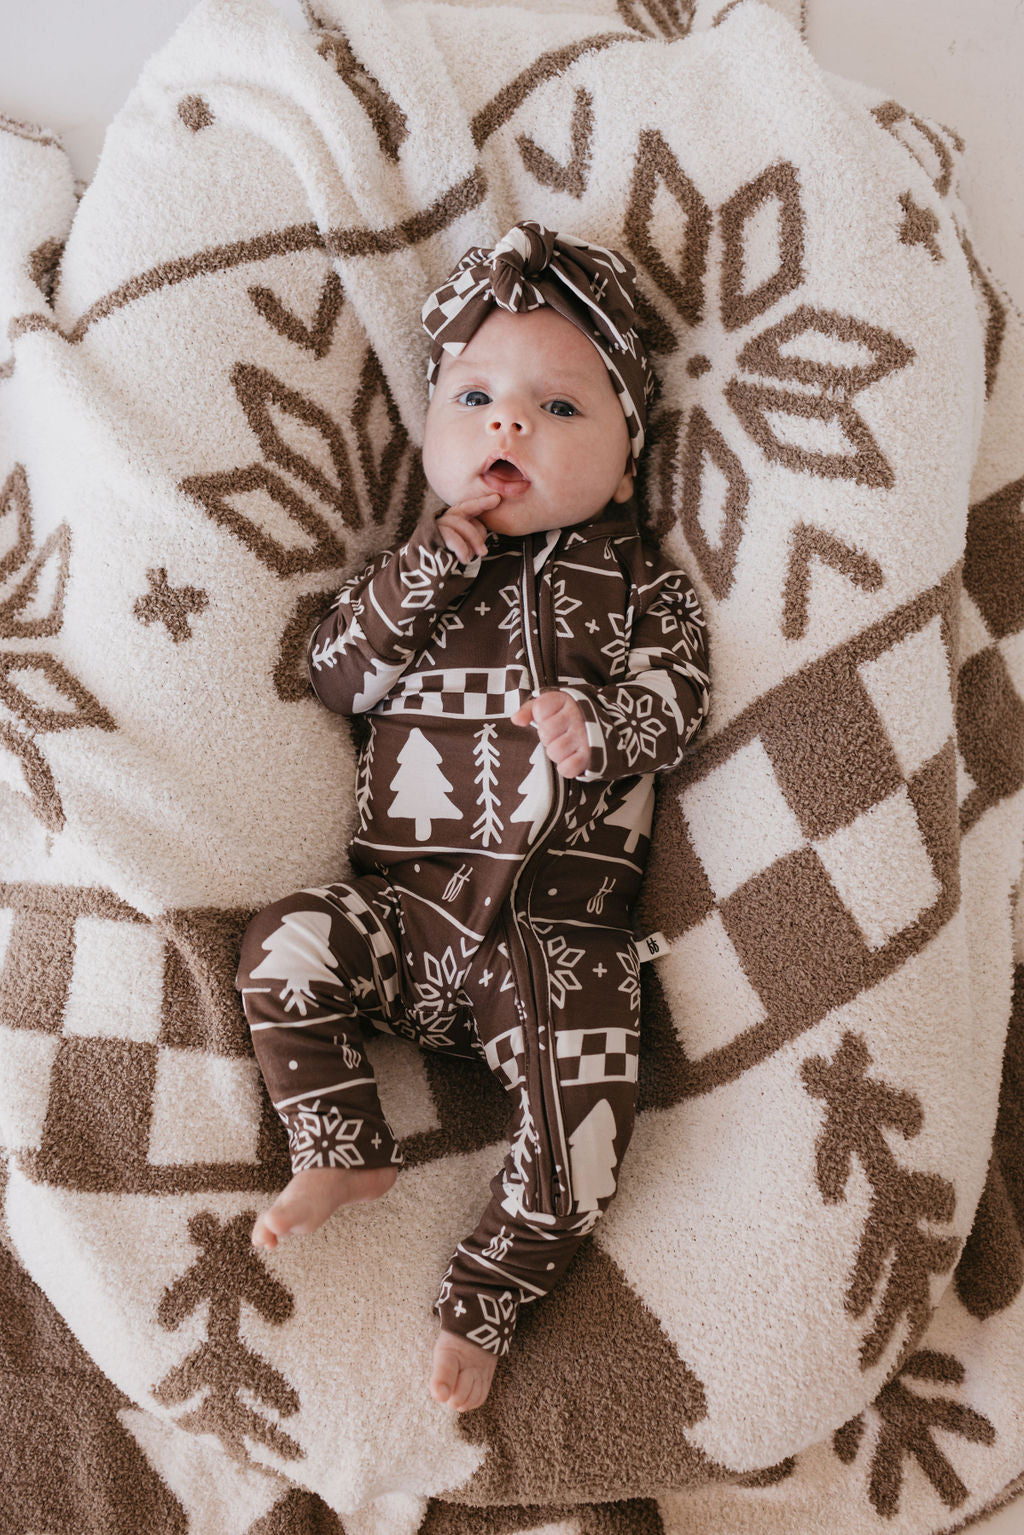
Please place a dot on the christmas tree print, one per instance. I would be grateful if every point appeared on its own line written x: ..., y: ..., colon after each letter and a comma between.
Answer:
x: 635, y: 813
x: 592, y: 1146
x: 421, y: 789
x: 299, y: 954
x: 907, y: 1424
x: 536, y: 791
x: 488, y: 826
x: 364, y: 778
x: 226, y: 1388
x: 898, y: 1252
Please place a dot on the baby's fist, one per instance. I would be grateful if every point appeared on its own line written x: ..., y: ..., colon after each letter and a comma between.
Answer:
x: 559, y: 722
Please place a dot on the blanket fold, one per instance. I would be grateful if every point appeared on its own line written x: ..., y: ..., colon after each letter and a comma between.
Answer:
x: 807, y: 1294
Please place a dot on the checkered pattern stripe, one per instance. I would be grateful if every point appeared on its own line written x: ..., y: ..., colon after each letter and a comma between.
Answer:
x: 367, y: 922
x: 857, y: 769
x: 109, y: 1022
x: 505, y: 1057
x: 596, y: 1055
x: 490, y: 693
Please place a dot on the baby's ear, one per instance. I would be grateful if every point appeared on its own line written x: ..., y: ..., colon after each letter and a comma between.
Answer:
x: 624, y: 491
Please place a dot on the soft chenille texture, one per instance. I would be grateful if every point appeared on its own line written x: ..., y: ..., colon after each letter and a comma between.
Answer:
x: 210, y: 402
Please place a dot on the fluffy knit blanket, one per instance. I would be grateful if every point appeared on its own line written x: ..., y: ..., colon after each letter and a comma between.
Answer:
x: 804, y: 1309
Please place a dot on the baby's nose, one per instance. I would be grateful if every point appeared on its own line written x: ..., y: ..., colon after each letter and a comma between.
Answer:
x: 506, y: 420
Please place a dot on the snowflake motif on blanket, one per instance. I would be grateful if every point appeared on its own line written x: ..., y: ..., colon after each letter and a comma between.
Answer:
x: 323, y: 1140
x: 789, y: 383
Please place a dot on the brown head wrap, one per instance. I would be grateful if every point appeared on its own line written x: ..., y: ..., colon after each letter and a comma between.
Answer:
x: 589, y: 285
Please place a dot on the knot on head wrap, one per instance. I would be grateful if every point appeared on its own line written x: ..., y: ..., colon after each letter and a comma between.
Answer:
x: 589, y: 285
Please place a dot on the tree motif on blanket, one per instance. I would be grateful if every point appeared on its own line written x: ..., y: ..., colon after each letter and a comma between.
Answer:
x: 896, y: 1257
x: 222, y: 1377
x: 791, y: 384
x: 906, y: 1425
x: 39, y: 695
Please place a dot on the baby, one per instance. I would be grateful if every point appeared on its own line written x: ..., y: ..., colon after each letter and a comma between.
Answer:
x: 526, y: 663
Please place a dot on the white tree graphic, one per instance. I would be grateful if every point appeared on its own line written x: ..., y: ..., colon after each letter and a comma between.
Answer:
x: 421, y: 789
x: 363, y: 784
x: 635, y: 813
x: 536, y: 791
x: 488, y: 825
x: 298, y: 953
x: 592, y: 1146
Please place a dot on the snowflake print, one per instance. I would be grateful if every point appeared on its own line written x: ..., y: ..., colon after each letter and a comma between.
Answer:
x: 440, y: 994
x: 563, y: 607
x: 630, y: 987
x: 787, y: 375
x: 323, y: 1140
x: 499, y: 1312
x: 439, y: 639
x: 420, y: 584
x: 617, y: 648
x: 639, y: 730
x: 562, y: 962
x: 512, y: 623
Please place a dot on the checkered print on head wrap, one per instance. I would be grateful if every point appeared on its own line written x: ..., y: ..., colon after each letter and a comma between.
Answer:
x: 589, y: 285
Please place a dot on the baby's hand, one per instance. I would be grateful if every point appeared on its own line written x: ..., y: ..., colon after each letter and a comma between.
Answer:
x: 558, y: 720
x: 461, y: 531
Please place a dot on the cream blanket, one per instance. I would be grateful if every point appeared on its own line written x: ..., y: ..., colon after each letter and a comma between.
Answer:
x: 209, y: 409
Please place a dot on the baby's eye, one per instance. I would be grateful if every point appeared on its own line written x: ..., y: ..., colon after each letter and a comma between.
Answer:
x: 561, y: 408
x: 473, y: 397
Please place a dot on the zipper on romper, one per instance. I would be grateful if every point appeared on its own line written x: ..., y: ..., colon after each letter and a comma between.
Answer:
x: 554, y: 1167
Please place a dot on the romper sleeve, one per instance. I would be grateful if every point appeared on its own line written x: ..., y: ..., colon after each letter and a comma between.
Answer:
x: 642, y: 721
x: 382, y: 619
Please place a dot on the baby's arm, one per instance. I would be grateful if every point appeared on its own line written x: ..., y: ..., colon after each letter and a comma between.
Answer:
x: 384, y: 617
x: 641, y: 722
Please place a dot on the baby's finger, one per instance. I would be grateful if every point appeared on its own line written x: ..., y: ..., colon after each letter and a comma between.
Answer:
x: 475, y: 506
x: 471, y: 537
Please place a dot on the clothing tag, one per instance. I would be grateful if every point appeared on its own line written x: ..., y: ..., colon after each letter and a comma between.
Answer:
x: 651, y: 947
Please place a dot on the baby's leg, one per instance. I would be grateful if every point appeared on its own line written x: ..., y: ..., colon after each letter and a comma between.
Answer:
x: 521, y: 1247
x: 305, y: 962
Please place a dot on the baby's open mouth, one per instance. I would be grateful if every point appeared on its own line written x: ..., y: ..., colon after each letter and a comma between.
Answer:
x: 503, y: 470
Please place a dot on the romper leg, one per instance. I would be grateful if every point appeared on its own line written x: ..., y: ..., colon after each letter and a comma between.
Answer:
x: 518, y: 1253
x: 314, y: 968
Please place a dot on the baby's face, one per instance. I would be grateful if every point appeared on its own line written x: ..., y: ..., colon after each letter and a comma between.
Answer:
x: 528, y: 410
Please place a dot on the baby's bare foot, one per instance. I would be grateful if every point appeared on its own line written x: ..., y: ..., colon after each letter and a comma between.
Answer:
x: 462, y: 1373
x: 314, y: 1195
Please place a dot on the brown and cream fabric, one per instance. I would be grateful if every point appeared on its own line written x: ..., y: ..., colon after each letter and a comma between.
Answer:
x: 809, y: 1289
x: 492, y: 914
